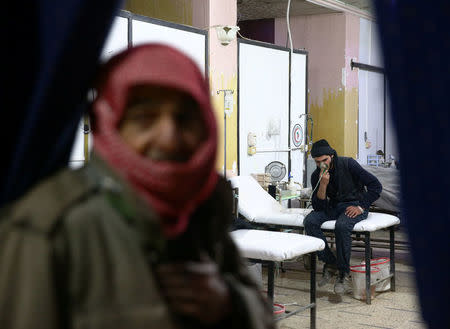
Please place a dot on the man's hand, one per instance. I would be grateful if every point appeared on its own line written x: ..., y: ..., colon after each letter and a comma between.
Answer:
x: 196, y: 289
x: 353, y: 211
x: 325, y: 178
x: 322, y: 191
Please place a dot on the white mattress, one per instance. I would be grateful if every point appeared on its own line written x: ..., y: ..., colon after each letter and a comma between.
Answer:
x: 289, y: 217
x: 274, y: 246
x: 374, y: 222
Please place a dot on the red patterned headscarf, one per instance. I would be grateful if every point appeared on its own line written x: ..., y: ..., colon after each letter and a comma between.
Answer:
x: 174, y: 190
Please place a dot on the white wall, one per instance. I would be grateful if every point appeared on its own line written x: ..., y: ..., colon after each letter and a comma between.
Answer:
x: 263, y: 105
x: 371, y: 119
x: 391, y: 134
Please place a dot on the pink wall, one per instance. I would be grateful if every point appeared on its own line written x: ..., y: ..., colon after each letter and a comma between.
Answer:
x: 207, y: 13
x: 351, y: 48
x: 323, y: 36
x: 223, y: 59
x: 298, y: 28
x: 331, y: 41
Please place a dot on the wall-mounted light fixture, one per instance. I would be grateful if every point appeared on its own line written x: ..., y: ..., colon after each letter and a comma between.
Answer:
x: 226, y: 33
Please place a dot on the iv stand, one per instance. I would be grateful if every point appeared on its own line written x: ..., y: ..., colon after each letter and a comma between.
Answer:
x: 225, y: 93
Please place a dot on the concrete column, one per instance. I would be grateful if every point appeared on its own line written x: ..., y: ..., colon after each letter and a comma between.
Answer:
x: 222, y: 69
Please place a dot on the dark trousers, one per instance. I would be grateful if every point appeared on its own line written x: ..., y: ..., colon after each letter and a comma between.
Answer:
x: 342, y: 231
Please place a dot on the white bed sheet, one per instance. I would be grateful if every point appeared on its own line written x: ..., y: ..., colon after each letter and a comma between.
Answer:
x: 374, y: 222
x: 258, y: 206
x: 274, y: 246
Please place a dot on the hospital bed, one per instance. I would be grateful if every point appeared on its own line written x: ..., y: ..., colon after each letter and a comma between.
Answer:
x: 258, y: 207
x: 271, y: 247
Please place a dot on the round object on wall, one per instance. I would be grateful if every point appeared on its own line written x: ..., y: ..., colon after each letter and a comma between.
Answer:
x: 297, y: 135
x: 276, y: 170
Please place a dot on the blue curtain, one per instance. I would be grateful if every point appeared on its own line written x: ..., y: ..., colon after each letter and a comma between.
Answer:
x: 416, y: 45
x: 50, y: 56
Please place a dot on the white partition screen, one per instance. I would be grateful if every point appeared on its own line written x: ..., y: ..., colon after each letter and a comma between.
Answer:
x: 264, y: 108
x: 77, y: 155
x: 298, y: 119
x: 189, y: 40
x: 116, y: 41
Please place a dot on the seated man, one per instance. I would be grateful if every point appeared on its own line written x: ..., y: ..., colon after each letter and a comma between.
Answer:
x: 138, y: 238
x: 345, y: 193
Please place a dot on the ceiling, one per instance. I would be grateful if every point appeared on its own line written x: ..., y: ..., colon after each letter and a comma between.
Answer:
x: 361, y: 4
x: 259, y: 9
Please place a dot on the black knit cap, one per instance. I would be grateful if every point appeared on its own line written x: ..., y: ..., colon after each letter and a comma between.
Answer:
x: 321, y: 147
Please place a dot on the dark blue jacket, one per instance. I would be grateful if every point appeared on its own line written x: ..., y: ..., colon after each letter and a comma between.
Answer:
x: 348, y: 182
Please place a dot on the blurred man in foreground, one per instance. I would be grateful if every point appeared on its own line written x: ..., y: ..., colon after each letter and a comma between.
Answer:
x: 138, y: 237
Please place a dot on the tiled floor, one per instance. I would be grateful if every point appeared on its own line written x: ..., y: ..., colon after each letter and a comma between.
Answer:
x: 397, y: 309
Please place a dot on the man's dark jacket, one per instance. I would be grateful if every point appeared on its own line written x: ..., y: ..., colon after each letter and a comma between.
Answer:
x: 349, y: 182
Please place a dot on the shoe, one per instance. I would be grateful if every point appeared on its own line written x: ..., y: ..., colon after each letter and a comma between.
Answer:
x: 343, y: 284
x: 329, y: 270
